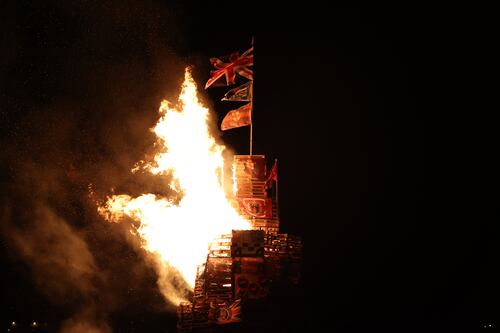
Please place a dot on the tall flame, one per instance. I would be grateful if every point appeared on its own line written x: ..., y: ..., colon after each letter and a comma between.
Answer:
x: 178, y: 234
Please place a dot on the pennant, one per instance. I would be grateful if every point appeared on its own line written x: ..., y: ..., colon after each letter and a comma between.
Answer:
x: 237, y: 118
x: 237, y: 65
x: 257, y: 207
x: 239, y: 94
x: 273, y: 174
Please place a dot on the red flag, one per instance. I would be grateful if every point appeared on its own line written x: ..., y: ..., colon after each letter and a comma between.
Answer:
x: 237, y: 65
x: 237, y: 118
x: 273, y: 174
x: 257, y: 207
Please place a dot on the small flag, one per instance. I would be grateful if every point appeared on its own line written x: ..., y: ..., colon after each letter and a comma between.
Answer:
x: 237, y: 118
x: 237, y: 65
x: 239, y: 94
x: 273, y: 174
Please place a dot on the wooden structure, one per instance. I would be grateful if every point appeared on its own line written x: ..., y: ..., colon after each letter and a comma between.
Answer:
x: 242, y: 266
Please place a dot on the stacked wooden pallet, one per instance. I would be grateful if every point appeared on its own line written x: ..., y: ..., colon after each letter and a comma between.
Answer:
x: 250, y: 171
x: 275, y: 245
x: 218, y: 284
x: 247, y: 243
x: 294, y: 258
x: 220, y: 247
x: 269, y: 226
x: 200, y: 307
x: 185, y: 317
x: 275, y: 249
x: 243, y: 265
x: 250, y: 174
x: 247, y: 250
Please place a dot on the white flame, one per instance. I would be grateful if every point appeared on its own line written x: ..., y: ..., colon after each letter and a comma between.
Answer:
x: 179, y: 234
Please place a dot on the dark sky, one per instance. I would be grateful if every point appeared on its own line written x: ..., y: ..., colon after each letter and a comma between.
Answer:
x: 338, y: 100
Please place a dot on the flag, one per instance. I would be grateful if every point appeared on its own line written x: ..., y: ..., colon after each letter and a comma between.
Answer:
x: 225, y: 314
x: 237, y: 65
x: 240, y: 94
x: 273, y: 174
x: 257, y: 207
x: 237, y: 118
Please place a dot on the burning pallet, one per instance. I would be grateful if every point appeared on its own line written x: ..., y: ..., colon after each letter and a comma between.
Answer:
x: 244, y: 265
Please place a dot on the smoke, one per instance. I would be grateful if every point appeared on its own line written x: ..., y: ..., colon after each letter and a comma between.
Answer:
x: 72, y: 326
x: 80, y: 90
x: 61, y: 261
x: 86, y: 321
x: 171, y: 284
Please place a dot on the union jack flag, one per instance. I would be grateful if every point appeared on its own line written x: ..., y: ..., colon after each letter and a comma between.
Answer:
x: 237, y: 65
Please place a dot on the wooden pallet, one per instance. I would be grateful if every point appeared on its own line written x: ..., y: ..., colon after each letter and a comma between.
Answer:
x: 248, y: 265
x: 251, y: 286
x: 247, y: 243
x: 248, y: 184
x: 294, y: 248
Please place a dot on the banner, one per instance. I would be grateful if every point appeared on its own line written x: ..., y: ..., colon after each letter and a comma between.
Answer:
x: 257, y: 207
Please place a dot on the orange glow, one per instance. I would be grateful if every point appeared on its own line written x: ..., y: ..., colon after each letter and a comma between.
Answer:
x: 178, y: 234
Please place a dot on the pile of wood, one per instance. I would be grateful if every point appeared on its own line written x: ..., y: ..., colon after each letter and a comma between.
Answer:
x: 243, y: 266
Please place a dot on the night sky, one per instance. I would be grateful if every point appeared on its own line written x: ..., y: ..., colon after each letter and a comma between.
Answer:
x: 338, y: 101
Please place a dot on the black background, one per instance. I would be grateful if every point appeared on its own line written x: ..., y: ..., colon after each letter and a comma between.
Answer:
x: 340, y: 100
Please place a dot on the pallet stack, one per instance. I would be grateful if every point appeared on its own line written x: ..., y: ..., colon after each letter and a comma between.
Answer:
x: 275, y: 249
x: 294, y: 258
x: 242, y: 266
x: 250, y: 173
x: 247, y: 250
x: 218, y: 273
x: 200, y: 307
x: 185, y: 317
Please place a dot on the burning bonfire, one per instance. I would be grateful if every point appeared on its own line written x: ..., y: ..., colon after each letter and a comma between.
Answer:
x: 213, y: 250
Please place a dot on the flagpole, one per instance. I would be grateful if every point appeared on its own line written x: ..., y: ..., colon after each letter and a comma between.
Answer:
x: 251, y: 108
x: 277, y: 197
x: 251, y: 114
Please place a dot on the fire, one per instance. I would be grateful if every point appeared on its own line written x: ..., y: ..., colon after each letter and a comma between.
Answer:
x: 178, y: 234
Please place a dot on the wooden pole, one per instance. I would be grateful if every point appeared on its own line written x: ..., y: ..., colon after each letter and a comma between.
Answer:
x: 277, y: 198
x: 251, y: 111
x: 251, y: 116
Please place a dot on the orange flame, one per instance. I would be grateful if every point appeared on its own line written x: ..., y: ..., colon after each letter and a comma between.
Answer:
x: 179, y: 234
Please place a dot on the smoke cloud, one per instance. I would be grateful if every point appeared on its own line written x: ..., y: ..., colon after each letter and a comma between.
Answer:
x: 79, y: 92
x: 61, y: 261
